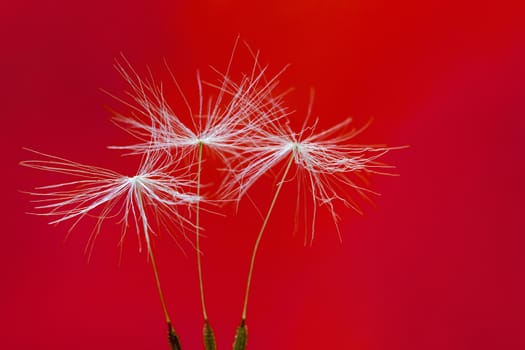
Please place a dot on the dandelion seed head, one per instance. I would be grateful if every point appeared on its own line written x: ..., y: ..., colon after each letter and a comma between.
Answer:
x: 105, y: 194
x: 229, y: 111
x: 327, y: 165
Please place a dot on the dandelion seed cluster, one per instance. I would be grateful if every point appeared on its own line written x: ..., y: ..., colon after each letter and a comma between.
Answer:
x: 246, y: 123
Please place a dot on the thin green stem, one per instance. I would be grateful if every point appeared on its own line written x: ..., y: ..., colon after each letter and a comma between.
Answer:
x: 173, y: 339
x: 159, y: 289
x: 259, y: 237
x: 197, y: 233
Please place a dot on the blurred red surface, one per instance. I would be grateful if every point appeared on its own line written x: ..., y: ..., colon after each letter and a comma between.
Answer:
x: 436, y: 263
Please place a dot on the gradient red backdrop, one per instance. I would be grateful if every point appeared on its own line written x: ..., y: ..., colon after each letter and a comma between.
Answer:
x: 437, y: 263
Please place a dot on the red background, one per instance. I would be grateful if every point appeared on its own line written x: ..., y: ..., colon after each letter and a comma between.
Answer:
x: 437, y: 263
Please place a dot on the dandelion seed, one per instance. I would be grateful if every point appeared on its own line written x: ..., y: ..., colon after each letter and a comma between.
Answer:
x: 104, y: 193
x: 323, y: 163
x: 221, y: 124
